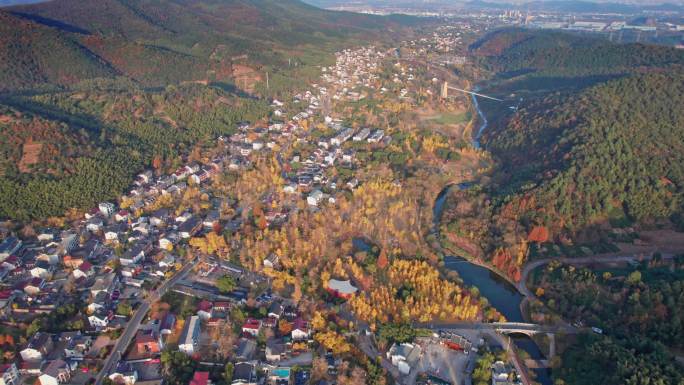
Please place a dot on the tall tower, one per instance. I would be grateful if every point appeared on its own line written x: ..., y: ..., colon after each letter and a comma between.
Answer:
x: 444, y: 92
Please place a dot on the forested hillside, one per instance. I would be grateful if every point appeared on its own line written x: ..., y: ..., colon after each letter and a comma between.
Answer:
x: 613, y: 151
x: 510, y: 52
x: 158, y: 42
x: 594, y: 141
x: 91, y: 92
x: 72, y: 149
x: 33, y: 54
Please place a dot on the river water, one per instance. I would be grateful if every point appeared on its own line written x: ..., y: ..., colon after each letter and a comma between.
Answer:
x: 498, y: 291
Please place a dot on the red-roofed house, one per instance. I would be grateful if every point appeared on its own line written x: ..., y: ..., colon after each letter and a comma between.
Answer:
x: 341, y: 289
x: 147, y: 343
x: 72, y: 262
x: 200, y: 378
x: 84, y: 270
x: 300, y: 329
x: 252, y: 326
x: 121, y: 216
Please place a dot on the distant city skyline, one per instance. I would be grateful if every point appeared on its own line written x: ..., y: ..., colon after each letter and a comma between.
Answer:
x: 446, y: 3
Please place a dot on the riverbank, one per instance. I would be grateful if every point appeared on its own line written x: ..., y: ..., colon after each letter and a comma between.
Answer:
x: 500, y: 291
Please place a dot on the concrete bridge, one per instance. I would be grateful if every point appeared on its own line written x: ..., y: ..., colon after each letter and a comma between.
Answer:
x: 528, y: 329
x: 508, y: 328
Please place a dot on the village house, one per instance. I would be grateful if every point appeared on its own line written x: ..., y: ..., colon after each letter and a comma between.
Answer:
x: 341, y: 289
x: 8, y: 247
x: 38, y: 348
x: 275, y: 351
x: 135, y: 254
x: 244, y: 373
x: 252, y: 327
x: 275, y: 310
x: 124, y: 374
x: 147, y: 342
x: 57, y: 372
x: 77, y: 345
x: 100, y: 318
x: 300, y: 330
x: 167, y: 323
x: 404, y: 356
x: 189, y: 339
x: 246, y: 349
x: 104, y: 283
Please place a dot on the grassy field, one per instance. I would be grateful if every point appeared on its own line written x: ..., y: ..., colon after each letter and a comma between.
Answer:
x: 450, y: 118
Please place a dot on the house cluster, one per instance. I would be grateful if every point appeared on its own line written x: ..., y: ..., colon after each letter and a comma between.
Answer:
x: 309, y: 174
x: 147, y: 188
x: 107, y: 259
x: 355, y: 71
x: 53, y: 358
x: 313, y: 176
x: 444, y: 39
x: 282, y: 329
x: 50, y: 269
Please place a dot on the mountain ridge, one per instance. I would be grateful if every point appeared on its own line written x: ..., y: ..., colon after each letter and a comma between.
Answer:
x: 170, y: 41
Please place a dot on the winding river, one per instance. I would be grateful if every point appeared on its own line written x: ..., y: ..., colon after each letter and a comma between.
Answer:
x: 498, y: 291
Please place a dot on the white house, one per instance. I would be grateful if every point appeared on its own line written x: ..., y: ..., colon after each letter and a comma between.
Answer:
x: 404, y: 356
x: 111, y: 236
x: 38, y: 348
x: 100, y: 319
x: 314, y: 197
x: 57, y: 372
x: 190, y: 337
x: 300, y: 330
x: 40, y: 272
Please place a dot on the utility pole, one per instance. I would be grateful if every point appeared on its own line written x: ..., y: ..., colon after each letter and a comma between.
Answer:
x: 444, y: 92
x: 267, y: 86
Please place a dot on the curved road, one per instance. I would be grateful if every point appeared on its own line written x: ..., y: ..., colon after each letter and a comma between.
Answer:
x: 599, y: 258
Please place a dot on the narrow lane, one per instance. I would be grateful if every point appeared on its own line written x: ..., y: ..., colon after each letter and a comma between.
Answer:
x: 132, y: 326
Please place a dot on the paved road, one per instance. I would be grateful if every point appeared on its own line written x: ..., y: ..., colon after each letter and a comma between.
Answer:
x: 133, y: 325
x: 511, y: 327
x: 366, y: 345
x: 604, y: 258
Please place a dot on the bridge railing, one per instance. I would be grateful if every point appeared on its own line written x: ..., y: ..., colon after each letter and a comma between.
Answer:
x: 515, y: 324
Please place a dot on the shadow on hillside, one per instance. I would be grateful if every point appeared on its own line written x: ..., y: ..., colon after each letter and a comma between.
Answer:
x: 52, y: 23
x: 232, y: 89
